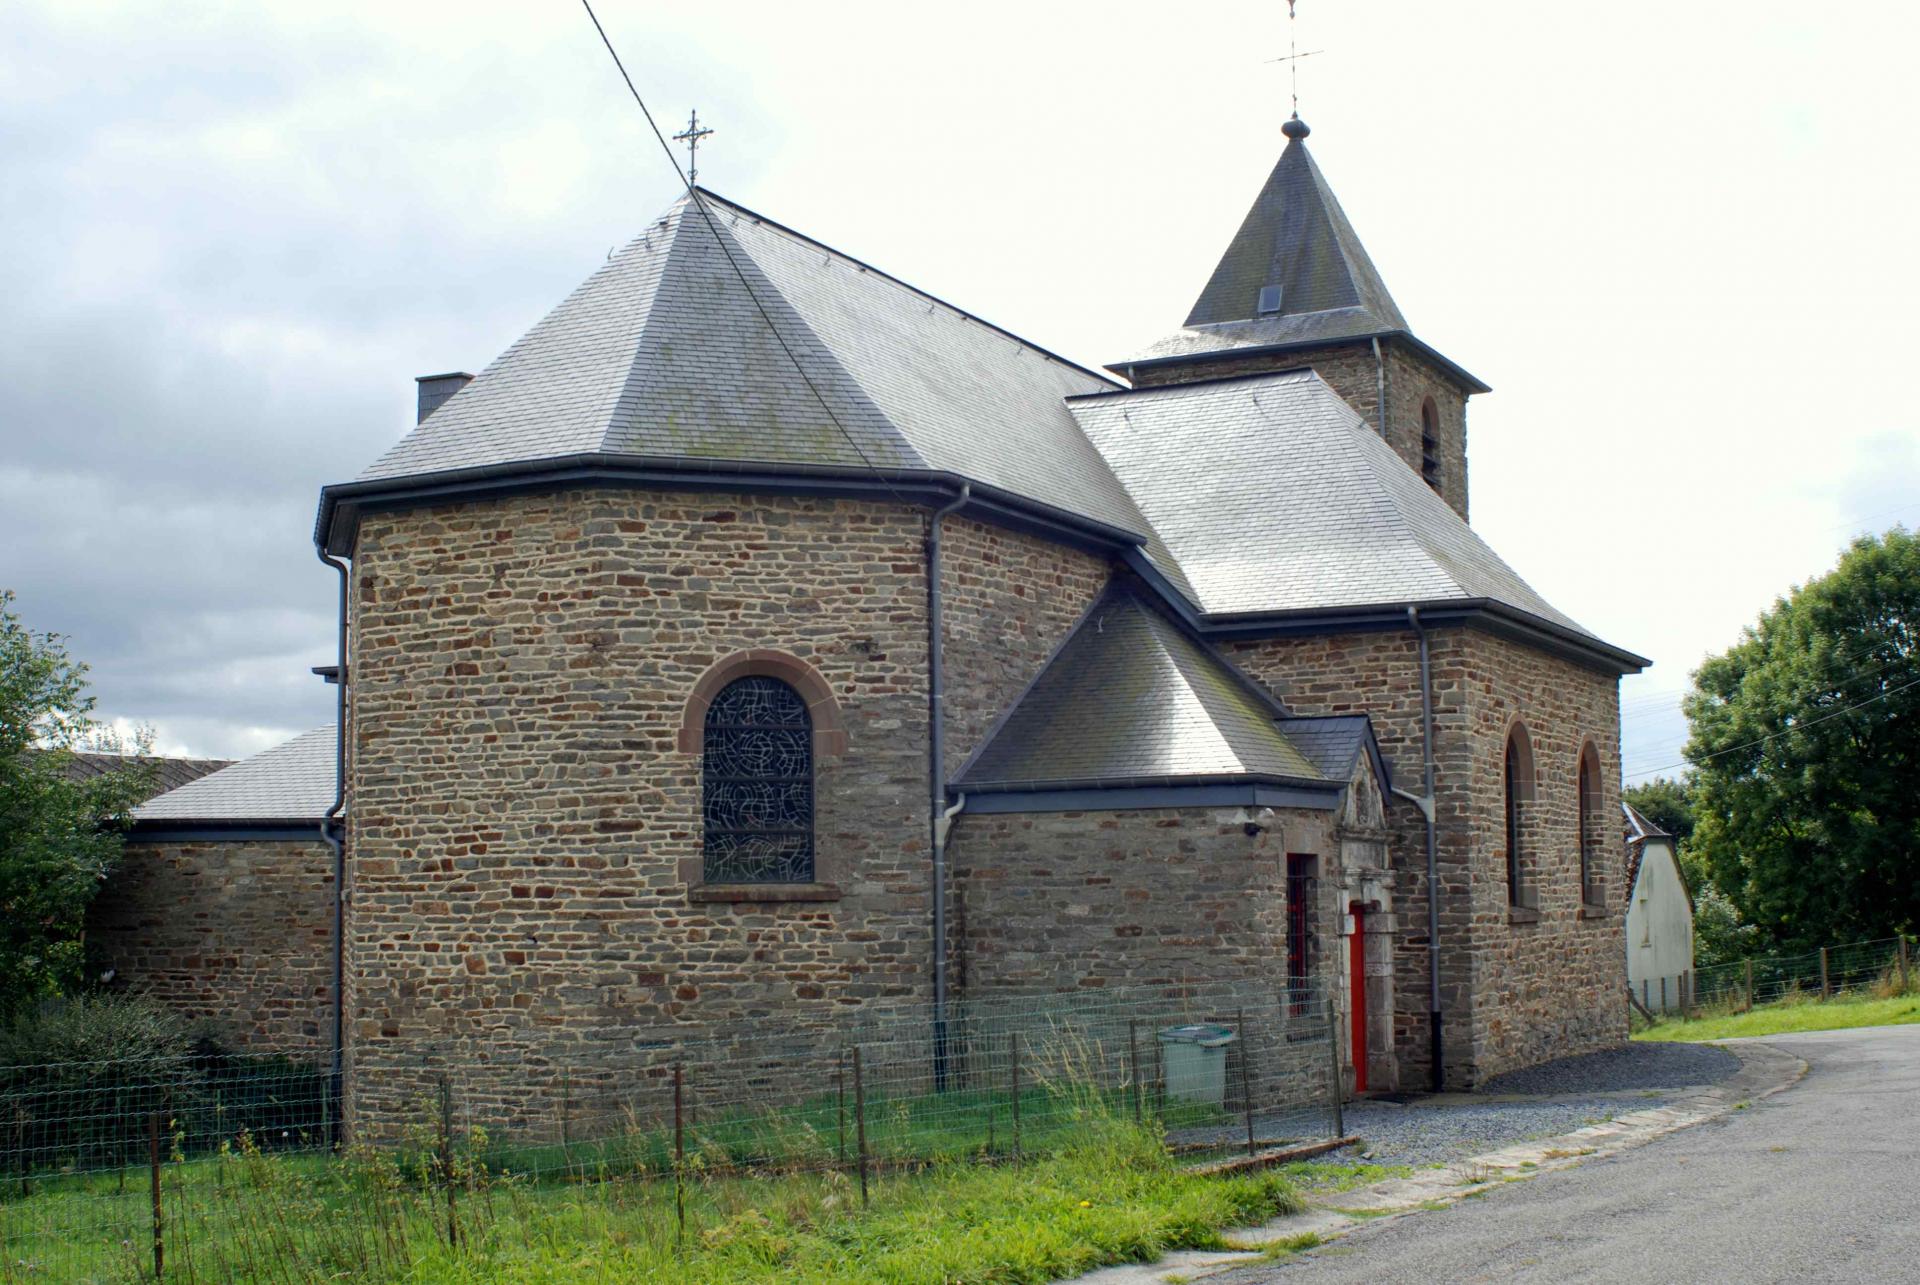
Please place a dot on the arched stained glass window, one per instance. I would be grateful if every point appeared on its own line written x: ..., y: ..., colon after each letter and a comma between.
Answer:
x: 757, y: 790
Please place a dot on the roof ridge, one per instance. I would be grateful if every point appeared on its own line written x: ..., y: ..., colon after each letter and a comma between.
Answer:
x: 791, y: 332
x: 1365, y: 445
x: 794, y: 234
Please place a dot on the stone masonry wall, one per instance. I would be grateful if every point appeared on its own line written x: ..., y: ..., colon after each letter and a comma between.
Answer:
x: 1513, y: 993
x: 1378, y: 674
x: 1008, y: 600
x: 1549, y: 988
x: 1067, y: 900
x: 234, y: 934
x: 525, y: 832
x: 1411, y: 378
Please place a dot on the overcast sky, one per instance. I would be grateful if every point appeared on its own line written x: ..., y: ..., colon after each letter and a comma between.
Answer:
x: 1677, y: 240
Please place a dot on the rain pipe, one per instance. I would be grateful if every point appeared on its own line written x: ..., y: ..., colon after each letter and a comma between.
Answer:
x: 330, y: 831
x: 939, y: 816
x: 1424, y: 801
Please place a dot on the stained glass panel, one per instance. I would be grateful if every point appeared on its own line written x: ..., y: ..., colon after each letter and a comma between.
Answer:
x: 758, y: 791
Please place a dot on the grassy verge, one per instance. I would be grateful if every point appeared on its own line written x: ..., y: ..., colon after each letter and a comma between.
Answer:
x: 1799, y: 1014
x: 1113, y: 1196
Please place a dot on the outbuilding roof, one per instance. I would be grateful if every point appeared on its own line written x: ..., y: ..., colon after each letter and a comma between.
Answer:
x: 291, y: 783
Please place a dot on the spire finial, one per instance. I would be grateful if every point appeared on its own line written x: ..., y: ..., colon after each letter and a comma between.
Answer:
x: 1295, y: 128
x: 691, y: 136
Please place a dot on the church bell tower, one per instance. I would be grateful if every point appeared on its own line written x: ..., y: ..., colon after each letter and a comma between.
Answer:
x: 1296, y: 289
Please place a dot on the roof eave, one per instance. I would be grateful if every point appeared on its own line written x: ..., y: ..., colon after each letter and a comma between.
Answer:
x: 336, y: 525
x: 1498, y: 617
x: 1473, y: 382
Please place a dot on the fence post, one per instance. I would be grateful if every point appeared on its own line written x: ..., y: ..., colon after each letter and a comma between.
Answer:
x: 860, y: 1122
x: 1133, y: 1059
x: 1826, y: 983
x: 1339, y: 1084
x: 446, y: 1159
x: 26, y: 1166
x: 1663, y: 993
x: 1903, y: 964
x: 679, y: 1162
x: 1749, y: 986
x: 1246, y: 1078
x: 1013, y: 1071
x: 153, y: 1167
x: 566, y: 1111
x: 840, y: 1096
x: 1686, y: 995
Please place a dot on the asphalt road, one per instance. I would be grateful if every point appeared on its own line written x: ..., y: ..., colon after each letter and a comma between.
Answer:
x: 1818, y: 1183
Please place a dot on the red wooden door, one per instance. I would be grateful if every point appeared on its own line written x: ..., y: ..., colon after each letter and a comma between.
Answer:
x: 1357, y: 988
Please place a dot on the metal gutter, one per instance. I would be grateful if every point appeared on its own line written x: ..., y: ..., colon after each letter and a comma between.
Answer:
x: 939, y: 818
x: 336, y: 523
x: 263, y: 831
x: 330, y: 831
x: 1471, y: 381
x: 1120, y: 798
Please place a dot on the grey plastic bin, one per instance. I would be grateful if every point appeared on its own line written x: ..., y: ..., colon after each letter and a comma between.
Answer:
x: 1196, y: 1061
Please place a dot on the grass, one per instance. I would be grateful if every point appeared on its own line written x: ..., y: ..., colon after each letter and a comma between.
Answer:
x: 1114, y: 1194
x: 1787, y: 1016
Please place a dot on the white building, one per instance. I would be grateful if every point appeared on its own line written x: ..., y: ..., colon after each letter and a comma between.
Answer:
x: 1659, y: 916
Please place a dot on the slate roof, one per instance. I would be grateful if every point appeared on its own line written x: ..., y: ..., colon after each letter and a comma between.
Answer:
x: 1275, y: 497
x: 662, y: 355
x: 1295, y: 240
x: 169, y: 773
x: 1132, y: 698
x: 1639, y: 831
x: 292, y: 782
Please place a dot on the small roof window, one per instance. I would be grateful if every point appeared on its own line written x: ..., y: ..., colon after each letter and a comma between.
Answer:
x: 1269, y: 300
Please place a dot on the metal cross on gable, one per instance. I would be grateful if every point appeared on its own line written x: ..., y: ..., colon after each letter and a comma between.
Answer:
x: 691, y: 136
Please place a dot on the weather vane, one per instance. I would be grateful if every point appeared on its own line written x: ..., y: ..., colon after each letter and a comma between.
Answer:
x: 1294, y: 56
x: 691, y: 136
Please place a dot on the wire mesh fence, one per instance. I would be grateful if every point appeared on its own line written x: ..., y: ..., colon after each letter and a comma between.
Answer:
x: 197, y: 1169
x: 1883, y: 967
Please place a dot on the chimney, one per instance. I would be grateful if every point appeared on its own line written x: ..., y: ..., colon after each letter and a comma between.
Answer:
x: 435, y: 389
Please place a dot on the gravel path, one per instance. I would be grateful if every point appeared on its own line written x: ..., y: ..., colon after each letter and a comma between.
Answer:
x: 1631, y: 1066
x: 1567, y: 1097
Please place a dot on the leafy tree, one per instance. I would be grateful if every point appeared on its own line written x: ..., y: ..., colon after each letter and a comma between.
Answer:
x: 1720, y: 936
x: 59, y: 837
x: 1806, y: 754
x: 1666, y: 802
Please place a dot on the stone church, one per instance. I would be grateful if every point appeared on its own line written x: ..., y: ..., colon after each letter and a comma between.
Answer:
x: 759, y: 635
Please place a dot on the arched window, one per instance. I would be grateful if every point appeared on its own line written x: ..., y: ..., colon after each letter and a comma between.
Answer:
x: 1430, y: 444
x: 1590, y: 828
x: 1519, y: 793
x: 757, y: 784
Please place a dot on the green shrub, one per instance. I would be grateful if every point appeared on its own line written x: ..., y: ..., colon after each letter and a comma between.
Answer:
x: 80, y: 1077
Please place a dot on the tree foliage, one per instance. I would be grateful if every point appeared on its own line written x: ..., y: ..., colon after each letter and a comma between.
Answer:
x: 59, y: 837
x: 1806, y: 754
x: 1666, y: 802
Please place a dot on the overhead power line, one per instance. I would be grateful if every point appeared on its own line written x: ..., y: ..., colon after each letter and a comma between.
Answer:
x: 1812, y: 722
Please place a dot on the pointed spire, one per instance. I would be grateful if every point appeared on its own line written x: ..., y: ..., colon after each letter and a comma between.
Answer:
x: 1296, y: 255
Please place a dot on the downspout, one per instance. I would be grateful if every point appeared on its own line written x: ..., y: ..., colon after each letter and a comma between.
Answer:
x: 1424, y: 801
x: 330, y: 831
x: 1380, y: 389
x: 939, y: 817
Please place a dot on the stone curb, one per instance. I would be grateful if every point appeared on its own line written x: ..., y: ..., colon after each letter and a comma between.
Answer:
x: 1764, y: 1071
